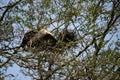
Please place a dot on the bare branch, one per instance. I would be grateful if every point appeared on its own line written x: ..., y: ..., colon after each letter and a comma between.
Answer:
x: 10, y: 6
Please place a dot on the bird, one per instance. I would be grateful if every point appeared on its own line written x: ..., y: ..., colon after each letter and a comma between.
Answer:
x: 42, y: 39
x: 67, y: 36
x: 27, y: 37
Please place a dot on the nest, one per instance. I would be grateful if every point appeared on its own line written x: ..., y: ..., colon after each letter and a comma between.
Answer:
x: 41, y: 41
x: 67, y: 38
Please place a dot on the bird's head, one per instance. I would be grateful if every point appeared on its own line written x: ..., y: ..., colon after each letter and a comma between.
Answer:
x: 45, y: 31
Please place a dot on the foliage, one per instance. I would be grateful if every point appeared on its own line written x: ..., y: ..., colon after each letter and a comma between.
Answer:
x: 95, y: 22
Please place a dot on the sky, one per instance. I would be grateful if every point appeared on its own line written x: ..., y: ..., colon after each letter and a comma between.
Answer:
x: 15, y: 69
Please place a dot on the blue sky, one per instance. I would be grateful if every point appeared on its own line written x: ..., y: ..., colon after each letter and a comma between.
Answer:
x: 15, y: 70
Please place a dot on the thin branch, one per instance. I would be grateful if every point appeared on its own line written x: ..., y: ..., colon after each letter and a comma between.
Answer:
x: 52, y: 72
x: 5, y: 62
x: 10, y: 6
x: 8, y: 57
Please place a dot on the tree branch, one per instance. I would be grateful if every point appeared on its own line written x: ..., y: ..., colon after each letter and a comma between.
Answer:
x: 5, y: 62
x: 59, y: 67
x: 10, y: 6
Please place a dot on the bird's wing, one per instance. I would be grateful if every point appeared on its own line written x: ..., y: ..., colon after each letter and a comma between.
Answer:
x: 27, y: 37
x: 42, y: 35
